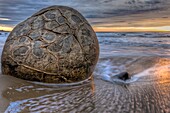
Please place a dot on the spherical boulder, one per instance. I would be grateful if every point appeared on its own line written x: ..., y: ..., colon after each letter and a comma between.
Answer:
x: 55, y: 45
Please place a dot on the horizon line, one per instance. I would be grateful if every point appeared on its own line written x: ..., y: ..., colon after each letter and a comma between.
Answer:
x: 113, y: 29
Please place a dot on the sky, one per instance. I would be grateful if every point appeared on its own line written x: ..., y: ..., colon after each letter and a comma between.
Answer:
x: 103, y: 15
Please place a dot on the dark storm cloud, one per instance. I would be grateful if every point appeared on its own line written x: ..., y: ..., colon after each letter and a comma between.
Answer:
x: 18, y: 10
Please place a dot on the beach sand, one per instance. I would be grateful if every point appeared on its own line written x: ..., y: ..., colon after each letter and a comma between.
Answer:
x: 147, y: 91
x: 145, y: 58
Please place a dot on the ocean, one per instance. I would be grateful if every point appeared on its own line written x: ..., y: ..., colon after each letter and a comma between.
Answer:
x: 145, y: 56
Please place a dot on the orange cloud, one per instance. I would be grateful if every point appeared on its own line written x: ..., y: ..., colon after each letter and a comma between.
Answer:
x: 6, y: 28
x: 113, y: 29
x: 132, y: 29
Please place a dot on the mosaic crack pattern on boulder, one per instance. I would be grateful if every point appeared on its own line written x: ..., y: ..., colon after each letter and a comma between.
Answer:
x: 55, y: 45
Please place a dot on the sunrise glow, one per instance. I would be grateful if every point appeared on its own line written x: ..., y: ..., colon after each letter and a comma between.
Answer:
x: 6, y: 28
x: 116, y: 29
x: 132, y: 29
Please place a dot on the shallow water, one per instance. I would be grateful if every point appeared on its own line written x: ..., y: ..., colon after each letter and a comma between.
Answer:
x: 145, y: 57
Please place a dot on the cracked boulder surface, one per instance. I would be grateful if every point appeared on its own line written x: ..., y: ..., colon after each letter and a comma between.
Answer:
x: 55, y: 45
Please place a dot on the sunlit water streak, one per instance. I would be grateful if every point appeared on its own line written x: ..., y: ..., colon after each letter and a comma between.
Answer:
x: 145, y: 56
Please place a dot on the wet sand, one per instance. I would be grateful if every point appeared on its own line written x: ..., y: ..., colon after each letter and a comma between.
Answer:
x: 146, y: 59
x: 148, y: 90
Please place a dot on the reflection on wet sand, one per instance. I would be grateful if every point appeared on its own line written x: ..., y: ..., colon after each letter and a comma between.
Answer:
x: 148, y: 91
x: 28, y: 97
x: 163, y: 69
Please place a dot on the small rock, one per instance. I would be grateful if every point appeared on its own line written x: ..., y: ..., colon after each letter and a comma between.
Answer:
x: 123, y: 76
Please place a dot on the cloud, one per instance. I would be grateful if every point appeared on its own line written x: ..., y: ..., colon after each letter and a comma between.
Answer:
x: 98, y: 12
x: 18, y: 10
